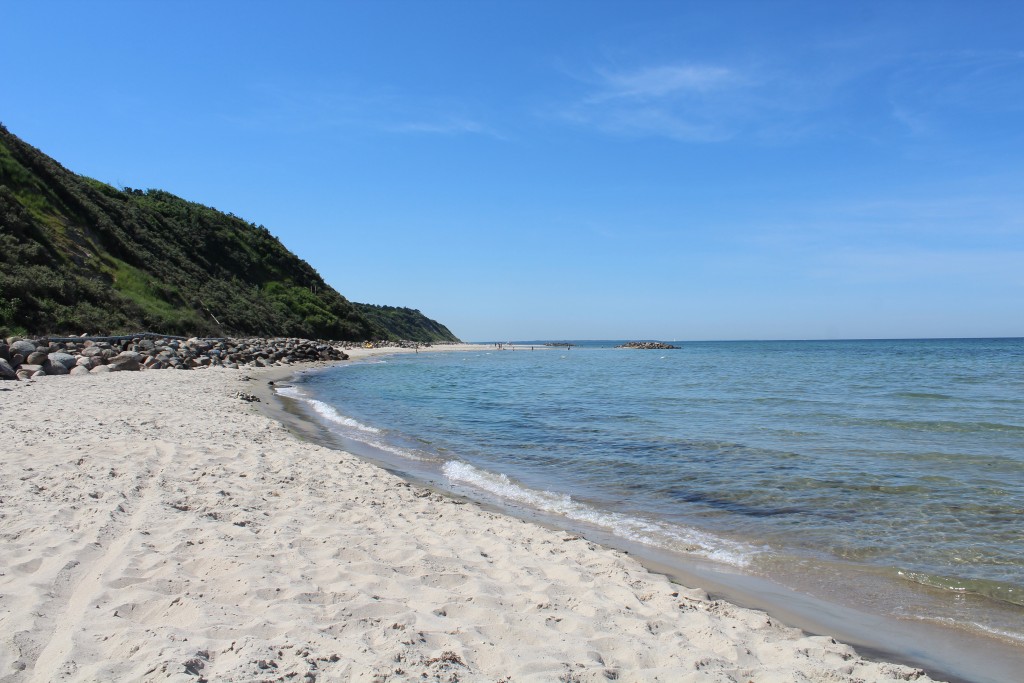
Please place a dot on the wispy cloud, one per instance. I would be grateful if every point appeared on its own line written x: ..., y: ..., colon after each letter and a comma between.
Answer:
x: 443, y: 126
x: 849, y: 92
x: 930, y: 88
x: 373, y: 110
x: 661, y: 81
x: 689, y: 102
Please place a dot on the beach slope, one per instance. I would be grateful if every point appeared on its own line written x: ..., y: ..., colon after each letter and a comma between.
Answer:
x: 157, y: 526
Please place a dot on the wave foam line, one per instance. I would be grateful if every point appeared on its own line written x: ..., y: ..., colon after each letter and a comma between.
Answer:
x: 634, y: 529
x: 326, y: 411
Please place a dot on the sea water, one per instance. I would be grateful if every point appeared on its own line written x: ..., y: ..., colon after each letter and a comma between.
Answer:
x: 894, y: 469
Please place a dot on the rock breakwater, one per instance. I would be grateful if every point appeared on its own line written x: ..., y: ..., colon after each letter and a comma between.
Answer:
x: 29, y: 358
x: 646, y: 345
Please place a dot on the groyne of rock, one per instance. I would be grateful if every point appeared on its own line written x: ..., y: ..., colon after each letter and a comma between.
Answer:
x: 22, y: 358
x: 646, y: 345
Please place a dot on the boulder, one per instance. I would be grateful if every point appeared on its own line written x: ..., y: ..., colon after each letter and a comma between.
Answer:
x: 24, y: 347
x: 126, y: 360
x: 85, y: 362
x: 65, y: 359
x: 79, y: 370
x: 5, y: 350
x: 24, y: 374
x: 55, y: 368
x: 30, y: 368
x: 99, y: 369
x: 36, y: 358
x: 6, y: 371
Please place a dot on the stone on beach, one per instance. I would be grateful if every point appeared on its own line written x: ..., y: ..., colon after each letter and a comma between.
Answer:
x: 55, y: 368
x: 126, y: 360
x: 65, y: 359
x: 27, y: 358
x: 23, y: 347
x: 36, y: 358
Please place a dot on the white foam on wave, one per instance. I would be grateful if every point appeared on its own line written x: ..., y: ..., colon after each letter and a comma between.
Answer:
x: 326, y: 411
x: 356, y: 430
x: 290, y: 392
x: 393, y: 449
x: 329, y: 413
x: 657, y: 534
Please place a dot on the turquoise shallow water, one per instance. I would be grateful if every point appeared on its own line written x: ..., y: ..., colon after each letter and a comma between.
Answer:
x: 900, y: 463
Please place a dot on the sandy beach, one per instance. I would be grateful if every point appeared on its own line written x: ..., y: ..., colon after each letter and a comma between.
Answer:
x: 157, y: 526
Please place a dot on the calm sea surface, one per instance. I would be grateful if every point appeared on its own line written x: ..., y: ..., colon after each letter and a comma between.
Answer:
x: 897, y: 463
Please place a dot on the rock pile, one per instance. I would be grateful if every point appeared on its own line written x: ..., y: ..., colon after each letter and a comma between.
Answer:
x: 646, y: 345
x: 28, y: 358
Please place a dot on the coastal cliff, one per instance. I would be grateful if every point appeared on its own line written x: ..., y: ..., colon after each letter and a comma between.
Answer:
x: 78, y: 255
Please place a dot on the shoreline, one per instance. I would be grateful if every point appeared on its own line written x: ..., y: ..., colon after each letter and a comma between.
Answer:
x: 156, y: 527
x: 944, y: 651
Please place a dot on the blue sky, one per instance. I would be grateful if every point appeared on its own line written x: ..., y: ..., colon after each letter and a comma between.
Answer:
x: 520, y: 170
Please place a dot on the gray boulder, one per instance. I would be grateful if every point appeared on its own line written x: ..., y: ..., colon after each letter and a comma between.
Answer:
x: 99, y: 370
x: 36, y: 358
x: 24, y: 347
x: 5, y: 350
x: 61, y: 358
x: 6, y: 371
x: 85, y: 362
x: 79, y: 370
x: 55, y: 368
x: 125, y: 361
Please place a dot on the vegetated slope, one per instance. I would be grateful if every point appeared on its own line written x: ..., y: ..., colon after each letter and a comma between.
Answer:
x: 78, y: 255
x: 406, y: 323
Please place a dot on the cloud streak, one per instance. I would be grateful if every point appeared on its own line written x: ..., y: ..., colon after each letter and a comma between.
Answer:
x: 687, y: 102
x: 663, y: 81
x: 920, y: 95
x: 375, y: 110
x: 443, y: 126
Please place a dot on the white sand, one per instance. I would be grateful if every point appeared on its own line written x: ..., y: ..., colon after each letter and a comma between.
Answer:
x: 155, y: 527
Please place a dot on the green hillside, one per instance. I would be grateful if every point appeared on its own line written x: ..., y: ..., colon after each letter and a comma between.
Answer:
x: 78, y: 255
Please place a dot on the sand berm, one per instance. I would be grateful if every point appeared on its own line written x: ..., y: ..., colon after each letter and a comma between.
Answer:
x: 156, y: 527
